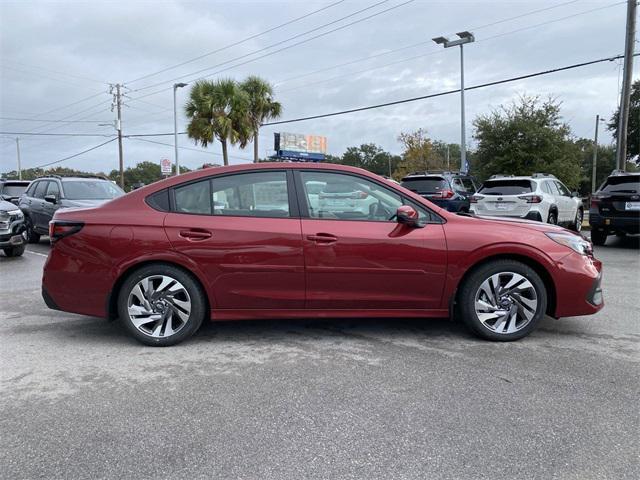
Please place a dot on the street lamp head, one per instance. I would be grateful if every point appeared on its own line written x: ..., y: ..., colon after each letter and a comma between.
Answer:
x: 180, y: 85
x: 440, y: 40
x: 467, y: 35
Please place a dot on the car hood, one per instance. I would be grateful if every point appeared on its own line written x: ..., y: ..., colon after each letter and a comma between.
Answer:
x: 521, y: 222
x: 7, y: 206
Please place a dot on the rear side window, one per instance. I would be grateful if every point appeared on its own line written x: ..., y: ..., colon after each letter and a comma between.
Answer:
x: 40, y: 189
x: 506, y: 187
x: 194, y: 198
x: 425, y: 185
x: 622, y: 184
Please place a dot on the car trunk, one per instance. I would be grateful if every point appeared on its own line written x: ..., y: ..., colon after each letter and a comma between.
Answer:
x: 504, y: 197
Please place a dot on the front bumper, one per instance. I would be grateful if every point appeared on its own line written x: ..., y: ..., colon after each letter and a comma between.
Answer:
x: 11, y: 240
x: 578, y: 286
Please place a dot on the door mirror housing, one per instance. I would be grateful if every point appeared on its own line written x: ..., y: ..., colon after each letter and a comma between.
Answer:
x: 51, y: 199
x: 407, y: 215
x: 575, y: 194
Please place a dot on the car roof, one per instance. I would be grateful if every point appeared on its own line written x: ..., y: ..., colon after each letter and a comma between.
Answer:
x: 522, y: 177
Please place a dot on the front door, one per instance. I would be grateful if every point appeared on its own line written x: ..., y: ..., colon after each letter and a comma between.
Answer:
x: 244, y: 234
x: 357, y: 256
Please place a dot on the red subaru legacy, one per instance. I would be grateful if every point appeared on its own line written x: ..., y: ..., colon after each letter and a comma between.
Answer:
x: 299, y: 240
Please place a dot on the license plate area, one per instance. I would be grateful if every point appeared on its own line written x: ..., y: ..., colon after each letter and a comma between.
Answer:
x: 632, y: 206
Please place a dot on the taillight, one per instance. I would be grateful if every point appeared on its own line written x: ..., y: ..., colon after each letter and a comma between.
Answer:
x: 531, y: 198
x: 474, y: 199
x: 595, y: 201
x: 446, y: 193
x: 59, y: 229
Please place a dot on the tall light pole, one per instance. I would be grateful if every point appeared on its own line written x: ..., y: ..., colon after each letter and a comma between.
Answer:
x: 595, y: 155
x: 465, y: 37
x: 623, y: 115
x: 176, y: 86
x: 17, y: 153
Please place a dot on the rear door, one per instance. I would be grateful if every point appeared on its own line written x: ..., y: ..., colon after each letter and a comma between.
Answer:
x: 362, y: 262
x: 243, y: 230
x: 48, y: 208
x: 36, y: 206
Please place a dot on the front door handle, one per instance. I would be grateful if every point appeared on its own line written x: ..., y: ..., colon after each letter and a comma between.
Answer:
x: 322, y: 238
x: 195, y: 234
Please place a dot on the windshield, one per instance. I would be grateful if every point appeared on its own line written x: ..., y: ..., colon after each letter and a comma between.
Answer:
x: 14, y: 190
x: 91, y: 190
x: 630, y: 184
x: 425, y: 185
x: 506, y: 187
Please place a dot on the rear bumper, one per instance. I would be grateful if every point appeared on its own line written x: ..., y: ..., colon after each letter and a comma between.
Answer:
x: 578, y: 286
x: 625, y: 224
x: 530, y: 215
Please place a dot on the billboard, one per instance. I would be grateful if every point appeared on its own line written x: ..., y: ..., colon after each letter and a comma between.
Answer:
x: 297, y: 146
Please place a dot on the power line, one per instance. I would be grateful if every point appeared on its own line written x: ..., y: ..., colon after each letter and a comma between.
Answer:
x: 448, y: 92
x: 279, y: 43
x: 38, y: 67
x: 239, y: 42
x: 41, y: 134
x: 76, y: 154
x: 52, y: 121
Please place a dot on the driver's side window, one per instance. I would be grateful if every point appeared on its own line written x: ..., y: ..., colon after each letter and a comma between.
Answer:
x: 341, y: 196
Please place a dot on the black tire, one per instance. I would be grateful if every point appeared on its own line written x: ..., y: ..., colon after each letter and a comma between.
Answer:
x: 552, y: 218
x: 32, y: 236
x: 598, y: 237
x: 15, y: 251
x: 466, y: 300
x: 576, y: 226
x: 196, y: 296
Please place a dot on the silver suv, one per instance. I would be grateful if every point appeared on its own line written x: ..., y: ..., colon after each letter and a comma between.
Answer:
x: 540, y: 197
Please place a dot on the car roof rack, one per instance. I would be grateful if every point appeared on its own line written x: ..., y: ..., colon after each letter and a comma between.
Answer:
x: 77, y: 175
x: 617, y: 172
x: 500, y: 175
x: 434, y: 172
x: 543, y: 175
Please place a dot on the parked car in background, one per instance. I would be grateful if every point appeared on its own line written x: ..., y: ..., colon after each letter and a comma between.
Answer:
x: 541, y: 197
x: 615, y: 207
x: 47, y: 194
x: 167, y: 257
x: 10, y: 190
x: 12, y: 241
x: 449, y: 190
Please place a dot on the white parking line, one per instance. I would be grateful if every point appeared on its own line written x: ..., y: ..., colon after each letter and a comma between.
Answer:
x: 36, y: 253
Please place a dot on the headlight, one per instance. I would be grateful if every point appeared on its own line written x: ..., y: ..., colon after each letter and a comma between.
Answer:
x: 17, y: 213
x: 574, y: 242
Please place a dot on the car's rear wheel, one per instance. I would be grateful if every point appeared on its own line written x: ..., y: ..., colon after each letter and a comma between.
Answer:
x: 15, y: 251
x: 32, y: 236
x: 161, y: 305
x: 577, y: 223
x: 598, y: 237
x: 552, y: 218
x: 503, y: 300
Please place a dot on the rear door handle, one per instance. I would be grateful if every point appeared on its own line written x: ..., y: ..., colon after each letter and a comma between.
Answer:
x: 322, y: 238
x: 195, y: 234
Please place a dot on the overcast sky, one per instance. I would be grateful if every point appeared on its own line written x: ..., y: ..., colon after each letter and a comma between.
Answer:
x: 56, y: 54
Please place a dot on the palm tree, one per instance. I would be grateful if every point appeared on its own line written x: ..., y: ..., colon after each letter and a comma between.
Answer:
x: 261, y: 107
x: 218, y: 109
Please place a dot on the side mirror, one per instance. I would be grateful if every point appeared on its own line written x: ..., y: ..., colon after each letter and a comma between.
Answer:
x: 575, y: 194
x: 51, y: 199
x: 407, y: 215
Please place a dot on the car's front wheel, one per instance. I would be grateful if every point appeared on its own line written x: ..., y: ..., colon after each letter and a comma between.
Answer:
x: 14, y: 251
x: 599, y: 237
x: 32, y: 236
x: 161, y: 305
x: 502, y: 300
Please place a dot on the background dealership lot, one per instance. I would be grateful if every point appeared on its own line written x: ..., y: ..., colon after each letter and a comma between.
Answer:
x: 334, y: 399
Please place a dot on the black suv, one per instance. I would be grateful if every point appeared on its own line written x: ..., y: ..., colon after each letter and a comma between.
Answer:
x: 615, y: 207
x: 449, y: 190
x: 47, y: 194
x: 10, y: 190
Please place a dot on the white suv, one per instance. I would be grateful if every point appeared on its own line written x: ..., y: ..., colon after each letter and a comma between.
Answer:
x: 540, y: 197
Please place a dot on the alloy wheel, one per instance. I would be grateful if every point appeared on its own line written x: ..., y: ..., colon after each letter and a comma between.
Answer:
x: 506, y: 302
x: 159, y: 306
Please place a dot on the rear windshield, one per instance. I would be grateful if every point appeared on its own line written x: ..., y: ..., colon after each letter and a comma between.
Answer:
x: 14, y: 190
x: 630, y: 184
x: 506, y: 187
x: 91, y: 190
x: 425, y: 185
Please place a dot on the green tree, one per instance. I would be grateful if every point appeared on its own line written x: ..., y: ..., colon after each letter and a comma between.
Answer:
x: 606, y: 163
x: 633, y: 128
x: 262, y: 107
x: 417, y: 154
x: 143, y: 173
x: 370, y: 157
x: 526, y: 137
x: 218, y: 109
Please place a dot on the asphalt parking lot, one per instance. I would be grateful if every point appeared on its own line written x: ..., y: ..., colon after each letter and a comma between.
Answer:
x: 320, y: 399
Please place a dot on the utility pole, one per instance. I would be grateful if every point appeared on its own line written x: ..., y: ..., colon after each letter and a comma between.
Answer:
x: 18, y: 152
x: 117, y: 104
x: 595, y: 155
x: 448, y: 163
x: 623, y: 116
x: 176, y: 86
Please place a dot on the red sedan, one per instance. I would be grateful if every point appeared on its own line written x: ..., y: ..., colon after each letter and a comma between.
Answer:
x: 304, y: 240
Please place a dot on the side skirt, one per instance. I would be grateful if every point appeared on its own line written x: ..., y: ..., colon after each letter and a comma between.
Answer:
x: 253, y: 314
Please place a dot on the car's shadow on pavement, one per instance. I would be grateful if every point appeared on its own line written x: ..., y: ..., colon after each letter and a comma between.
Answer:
x: 627, y: 242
